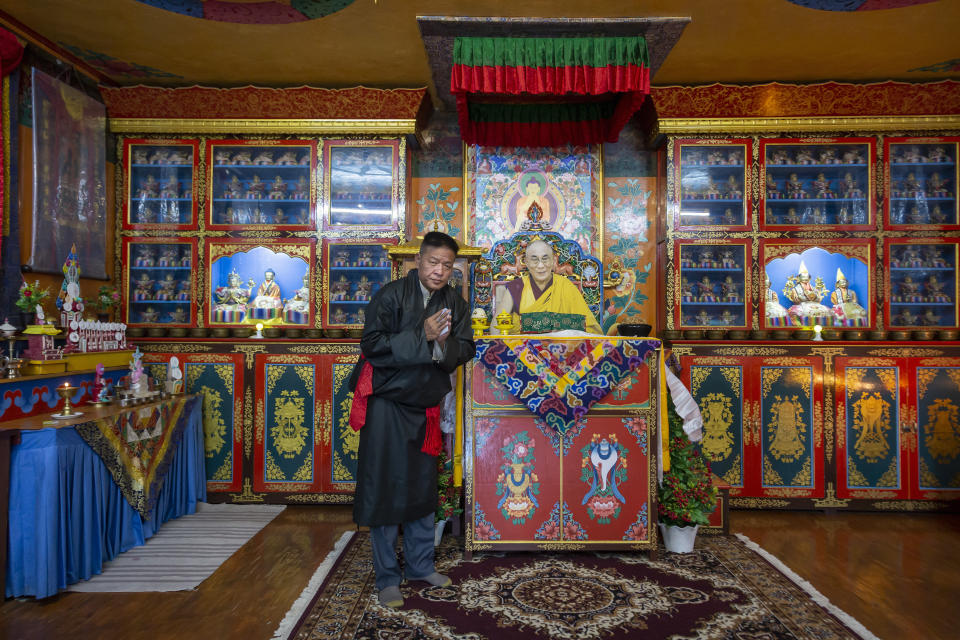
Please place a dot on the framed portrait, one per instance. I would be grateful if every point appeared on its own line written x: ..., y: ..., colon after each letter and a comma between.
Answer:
x: 69, y: 166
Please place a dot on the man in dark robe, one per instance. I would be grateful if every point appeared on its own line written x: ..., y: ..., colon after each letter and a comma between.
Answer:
x: 417, y: 333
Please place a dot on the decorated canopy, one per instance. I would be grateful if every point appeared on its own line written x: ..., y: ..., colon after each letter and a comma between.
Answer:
x: 547, y: 91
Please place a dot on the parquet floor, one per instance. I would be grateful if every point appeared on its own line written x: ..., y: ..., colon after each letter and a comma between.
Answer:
x: 898, y: 574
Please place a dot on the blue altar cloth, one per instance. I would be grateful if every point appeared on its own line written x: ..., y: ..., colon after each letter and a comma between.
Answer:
x: 67, y: 515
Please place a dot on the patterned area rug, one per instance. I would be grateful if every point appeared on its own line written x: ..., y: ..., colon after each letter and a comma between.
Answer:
x: 722, y: 590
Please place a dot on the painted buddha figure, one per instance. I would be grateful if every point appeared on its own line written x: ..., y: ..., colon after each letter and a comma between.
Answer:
x: 533, y: 194
x: 773, y: 310
x: 300, y: 301
x: 844, y: 301
x: 805, y: 296
x: 233, y: 296
x: 268, y: 295
x: 542, y: 290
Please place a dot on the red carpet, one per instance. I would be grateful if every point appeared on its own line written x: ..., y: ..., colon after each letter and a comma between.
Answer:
x: 722, y: 590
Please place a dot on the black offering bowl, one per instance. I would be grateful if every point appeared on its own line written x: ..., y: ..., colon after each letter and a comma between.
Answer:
x: 634, y: 330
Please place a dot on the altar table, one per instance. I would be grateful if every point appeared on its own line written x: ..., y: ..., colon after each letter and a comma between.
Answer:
x: 561, y: 443
x: 67, y: 514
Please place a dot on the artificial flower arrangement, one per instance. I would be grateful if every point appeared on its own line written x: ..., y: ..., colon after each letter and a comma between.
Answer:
x: 687, y: 495
x: 30, y: 296
x: 107, y: 298
x: 448, y: 495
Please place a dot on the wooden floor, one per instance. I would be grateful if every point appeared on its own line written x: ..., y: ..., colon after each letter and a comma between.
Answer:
x: 898, y: 574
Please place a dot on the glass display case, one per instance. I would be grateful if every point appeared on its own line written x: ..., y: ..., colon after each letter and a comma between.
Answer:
x: 713, y: 183
x: 159, y: 184
x: 827, y: 283
x: 354, y: 272
x: 261, y: 184
x: 159, y: 286
x: 921, y: 282
x: 713, y: 284
x: 820, y: 184
x: 260, y: 282
x: 364, y: 184
x: 921, y: 181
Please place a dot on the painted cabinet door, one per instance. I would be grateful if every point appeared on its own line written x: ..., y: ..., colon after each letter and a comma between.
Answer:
x: 290, y: 422
x: 873, y: 417
x: 787, y: 443
x: 763, y: 422
x: 933, y: 450
x: 219, y: 378
x: 340, y: 441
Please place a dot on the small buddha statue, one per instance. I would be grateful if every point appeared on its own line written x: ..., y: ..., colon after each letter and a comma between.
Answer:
x: 915, y: 217
x: 733, y: 190
x: 166, y: 288
x: 939, y: 154
x: 178, y: 315
x: 935, y: 291
x: 340, y: 289
x: 729, y: 218
x: 149, y: 188
x: 686, y: 290
x: 729, y: 290
x: 301, y: 190
x: 794, y: 188
x: 937, y: 186
x: 773, y: 191
x: 364, y: 287
x: 906, y: 319
x: 910, y: 186
x: 256, y: 188
x: 150, y: 315
x: 278, y: 189
x: 727, y: 318
x: 791, y: 217
x: 909, y: 290
x: 805, y: 156
x: 170, y: 189
x: 937, y: 215
x: 818, y: 216
x: 849, y: 187
x: 706, y: 290
x: 234, y: 189
x: 711, y: 192
x: 703, y: 319
x: 929, y: 319
x: 339, y: 316
x: 143, y: 288
x: 821, y: 187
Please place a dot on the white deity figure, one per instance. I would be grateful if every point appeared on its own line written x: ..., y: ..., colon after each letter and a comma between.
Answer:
x: 773, y: 310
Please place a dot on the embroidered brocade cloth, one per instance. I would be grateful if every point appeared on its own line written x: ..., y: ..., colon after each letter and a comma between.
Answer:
x: 560, y: 380
x: 547, y: 321
x: 137, y: 447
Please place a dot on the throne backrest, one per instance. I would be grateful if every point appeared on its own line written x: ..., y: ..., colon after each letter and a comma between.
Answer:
x: 504, y: 261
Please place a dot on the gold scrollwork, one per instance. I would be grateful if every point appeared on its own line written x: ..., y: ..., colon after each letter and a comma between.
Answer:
x: 769, y: 378
x: 770, y: 475
x: 289, y: 431
x: 830, y: 500
x: 320, y: 498
x: 941, y: 434
x: 758, y: 503
x: 924, y: 378
x: 908, y: 505
x: 247, y: 495
x: 247, y: 423
x: 249, y: 351
x: 901, y: 352
x: 749, y: 351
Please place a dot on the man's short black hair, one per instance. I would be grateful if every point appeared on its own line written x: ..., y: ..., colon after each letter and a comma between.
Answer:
x: 438, y: 239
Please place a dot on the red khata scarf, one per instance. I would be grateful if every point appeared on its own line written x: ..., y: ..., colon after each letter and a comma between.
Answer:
x: 432, y: 441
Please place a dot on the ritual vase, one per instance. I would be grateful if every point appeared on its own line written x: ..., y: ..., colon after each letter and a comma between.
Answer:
x: 438, y: 531
x: 678, y: 539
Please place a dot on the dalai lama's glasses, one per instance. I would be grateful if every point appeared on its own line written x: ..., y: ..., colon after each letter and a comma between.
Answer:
x: 535, y: 260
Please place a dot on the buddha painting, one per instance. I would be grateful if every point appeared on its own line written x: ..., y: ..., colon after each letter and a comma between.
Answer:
x: 806, y: 298
x: 534, y: 193
x: 541, y: 290
x: 845, y: 305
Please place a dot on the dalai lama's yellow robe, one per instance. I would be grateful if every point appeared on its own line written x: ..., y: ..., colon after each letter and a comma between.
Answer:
x: 562, y: 296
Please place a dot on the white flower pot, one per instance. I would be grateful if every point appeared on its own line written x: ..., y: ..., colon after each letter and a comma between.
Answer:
x: 678, y: 539
x: 438, y: 532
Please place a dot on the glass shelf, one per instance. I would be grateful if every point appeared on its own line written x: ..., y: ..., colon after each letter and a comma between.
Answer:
x: 720, y: 287
x: 712, y: 183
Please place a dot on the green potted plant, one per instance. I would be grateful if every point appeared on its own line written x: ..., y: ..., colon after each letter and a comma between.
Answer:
x: 29, y: 297
x: 107, y: 299
x: 448, y: 496
x: 686, y: 496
